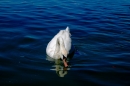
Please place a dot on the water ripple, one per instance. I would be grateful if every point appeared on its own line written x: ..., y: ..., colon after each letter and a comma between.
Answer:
x: 100, y: 34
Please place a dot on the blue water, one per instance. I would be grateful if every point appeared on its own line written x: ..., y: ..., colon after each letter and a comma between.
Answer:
x: 100, y: 32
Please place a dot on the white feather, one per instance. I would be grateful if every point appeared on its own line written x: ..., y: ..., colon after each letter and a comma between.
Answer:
x: 59, y: 45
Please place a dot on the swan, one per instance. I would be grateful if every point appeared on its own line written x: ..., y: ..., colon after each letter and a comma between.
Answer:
x: 60, y: 46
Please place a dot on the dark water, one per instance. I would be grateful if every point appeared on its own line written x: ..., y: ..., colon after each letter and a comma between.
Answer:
x: 100, y: 32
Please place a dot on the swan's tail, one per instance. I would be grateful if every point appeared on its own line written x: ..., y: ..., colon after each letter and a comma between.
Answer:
x: 67, y: 29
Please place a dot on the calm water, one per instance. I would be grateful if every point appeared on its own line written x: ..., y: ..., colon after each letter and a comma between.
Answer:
x: 100, y: 32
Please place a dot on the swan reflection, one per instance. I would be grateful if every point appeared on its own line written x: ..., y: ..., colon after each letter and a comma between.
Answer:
x: 58, y: 67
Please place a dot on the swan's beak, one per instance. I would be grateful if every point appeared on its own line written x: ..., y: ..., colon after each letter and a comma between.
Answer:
x: 64, y: 53
x: 65, y: 63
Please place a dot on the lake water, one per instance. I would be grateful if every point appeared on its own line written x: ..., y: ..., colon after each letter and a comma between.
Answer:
x: 100, y: 32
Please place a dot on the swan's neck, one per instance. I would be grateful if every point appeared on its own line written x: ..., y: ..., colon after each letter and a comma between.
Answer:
x: 62, y: 47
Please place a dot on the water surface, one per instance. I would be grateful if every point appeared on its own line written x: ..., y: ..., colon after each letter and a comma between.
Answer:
x: 100, y: 32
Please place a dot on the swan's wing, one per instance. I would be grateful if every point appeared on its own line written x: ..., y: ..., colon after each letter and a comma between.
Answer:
x: 51, y: 47
x: 67, y: 40
x: 56, y: 51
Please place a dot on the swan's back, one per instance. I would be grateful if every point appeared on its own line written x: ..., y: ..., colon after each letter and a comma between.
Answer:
x: 52, y: 45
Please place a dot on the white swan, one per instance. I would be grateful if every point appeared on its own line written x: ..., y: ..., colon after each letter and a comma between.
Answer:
x: 60, y: 46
